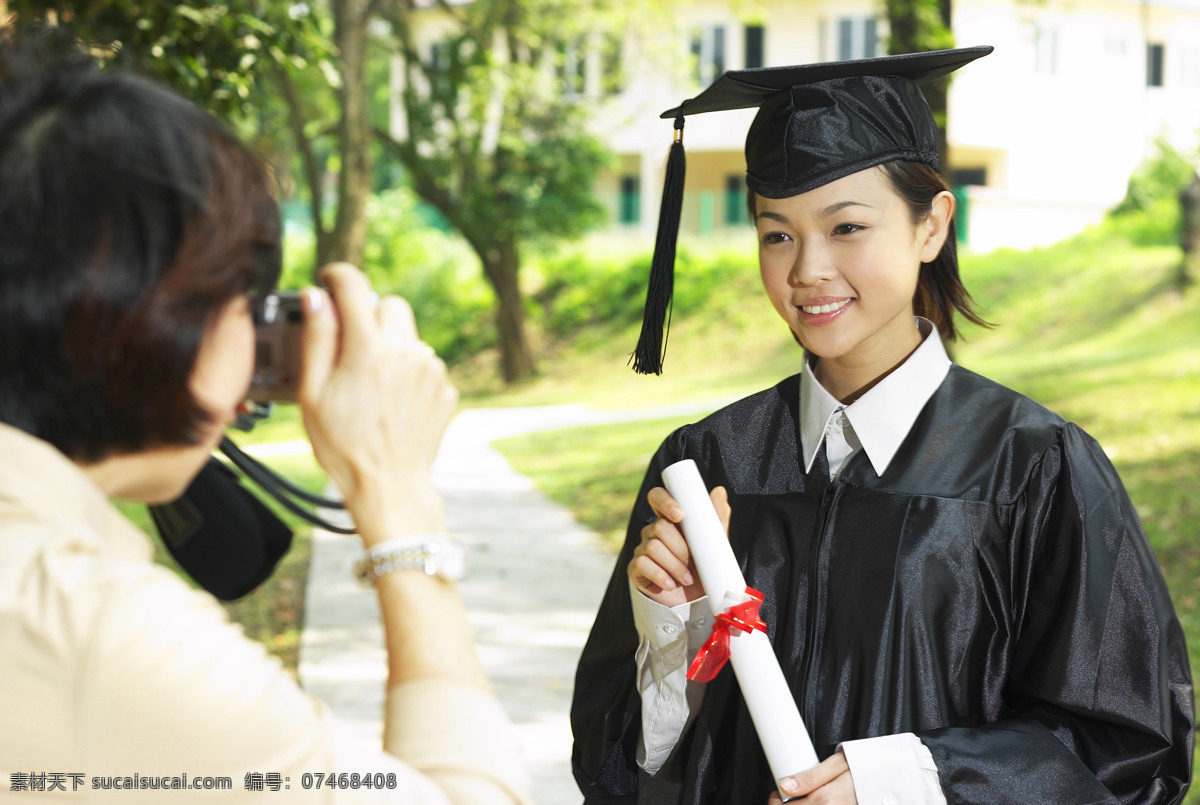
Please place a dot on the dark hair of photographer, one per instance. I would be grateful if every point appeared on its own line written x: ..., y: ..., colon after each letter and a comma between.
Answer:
x: 169, y: 217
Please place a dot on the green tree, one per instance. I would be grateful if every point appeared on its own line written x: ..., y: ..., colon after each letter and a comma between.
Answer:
x: 1162, y: 206
x: 240, y: 59
x: 266, y: 67
x: 916, y: 25
x: 211, y: 52
x: 493, y: 138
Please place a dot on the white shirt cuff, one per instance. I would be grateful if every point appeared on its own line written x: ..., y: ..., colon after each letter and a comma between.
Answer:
x: 893, y: 770
x: 668, y: 639
x: 662, y: 625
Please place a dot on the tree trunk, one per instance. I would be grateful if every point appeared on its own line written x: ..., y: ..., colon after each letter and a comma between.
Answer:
x: 1189, y: 235
x: 348, y: 238
x: 501, y: 264
x: 941, y: 92
x: 312, y: 167
x: 910, y: 26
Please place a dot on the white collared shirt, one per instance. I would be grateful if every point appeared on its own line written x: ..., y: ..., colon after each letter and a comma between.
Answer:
x: 878, y: 421
x: 890, y: 769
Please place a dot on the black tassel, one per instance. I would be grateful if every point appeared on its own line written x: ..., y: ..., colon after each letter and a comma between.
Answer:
x: 652, y: 343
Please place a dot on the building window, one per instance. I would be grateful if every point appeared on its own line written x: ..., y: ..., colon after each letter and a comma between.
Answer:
x: 1045, y: 52
x: 441, y: 65
x: 589, y: 65
x: 440, y: 54
x: 708, y: 207
x: 631, y: 200
x: 968, y: 176
x: 856, y: 38
x: 735, y: 200
x: 572, y: 67
x: 708, y: 48
x: 612, y: 67
x: 1154, y: 65
x: 754, y: 46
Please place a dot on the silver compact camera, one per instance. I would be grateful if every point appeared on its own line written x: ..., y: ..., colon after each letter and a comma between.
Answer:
x: 278, y: 326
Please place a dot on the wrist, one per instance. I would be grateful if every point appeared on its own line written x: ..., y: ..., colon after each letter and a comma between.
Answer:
x: 413, y: 512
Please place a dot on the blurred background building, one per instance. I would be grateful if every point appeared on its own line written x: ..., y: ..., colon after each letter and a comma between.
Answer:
x: 1042, y: 135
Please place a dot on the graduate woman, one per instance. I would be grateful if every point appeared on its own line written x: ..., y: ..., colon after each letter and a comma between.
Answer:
x: 955, y: 583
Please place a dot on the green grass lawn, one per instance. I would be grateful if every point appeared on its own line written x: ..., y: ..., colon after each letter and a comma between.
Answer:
x: 1089, y: 328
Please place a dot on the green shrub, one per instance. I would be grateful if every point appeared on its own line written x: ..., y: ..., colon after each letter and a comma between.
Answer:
x: 579, y: 289
x: 408, y: 253
x: 299, y: 246
x: 1149, y: 213
x: 1156, y: 225
x: 582, y: 288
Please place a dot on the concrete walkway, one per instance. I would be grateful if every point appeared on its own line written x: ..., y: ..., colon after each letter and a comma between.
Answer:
x: 536, y: 581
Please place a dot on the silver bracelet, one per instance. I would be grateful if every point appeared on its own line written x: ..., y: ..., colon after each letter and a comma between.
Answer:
x: 439, y: 555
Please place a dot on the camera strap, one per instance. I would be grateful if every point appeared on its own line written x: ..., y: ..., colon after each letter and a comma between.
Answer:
x: 284, y: 490
x: 223, y: 536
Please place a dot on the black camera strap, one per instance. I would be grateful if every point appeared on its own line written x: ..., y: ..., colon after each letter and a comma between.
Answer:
x: 221, y: 534
x: 283, y: 490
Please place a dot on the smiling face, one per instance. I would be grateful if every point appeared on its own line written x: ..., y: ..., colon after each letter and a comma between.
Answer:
x: 840, y: 264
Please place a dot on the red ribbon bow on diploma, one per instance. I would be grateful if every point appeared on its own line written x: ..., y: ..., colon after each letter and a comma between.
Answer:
x: 715, y: 652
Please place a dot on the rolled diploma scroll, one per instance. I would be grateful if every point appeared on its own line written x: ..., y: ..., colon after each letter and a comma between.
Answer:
x: 768, y: 697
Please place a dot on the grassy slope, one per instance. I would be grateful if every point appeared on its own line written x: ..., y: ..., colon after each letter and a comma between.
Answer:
x: 1088, y: 327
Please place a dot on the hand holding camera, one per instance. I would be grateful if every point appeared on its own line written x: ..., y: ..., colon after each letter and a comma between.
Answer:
x: 376, y: 401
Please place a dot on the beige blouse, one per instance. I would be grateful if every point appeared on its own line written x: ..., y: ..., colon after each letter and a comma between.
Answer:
x: 117, y: 680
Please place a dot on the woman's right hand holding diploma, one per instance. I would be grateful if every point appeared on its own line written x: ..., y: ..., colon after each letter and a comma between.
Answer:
x: 662, y: 567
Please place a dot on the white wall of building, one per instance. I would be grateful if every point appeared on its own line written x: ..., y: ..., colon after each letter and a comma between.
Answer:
x: 1057, y: 117
x: 1061, y: 113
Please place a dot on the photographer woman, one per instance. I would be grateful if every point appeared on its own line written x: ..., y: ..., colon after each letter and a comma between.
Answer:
x: 137, y: 234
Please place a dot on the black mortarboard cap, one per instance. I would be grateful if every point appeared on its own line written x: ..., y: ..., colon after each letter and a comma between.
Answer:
x: 816, y: 123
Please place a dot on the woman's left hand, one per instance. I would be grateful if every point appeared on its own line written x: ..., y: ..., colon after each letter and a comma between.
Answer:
x: 827, y: 783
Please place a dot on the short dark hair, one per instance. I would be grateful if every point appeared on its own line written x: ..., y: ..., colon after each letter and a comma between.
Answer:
x: 940, y: 291
x: 128, y: 219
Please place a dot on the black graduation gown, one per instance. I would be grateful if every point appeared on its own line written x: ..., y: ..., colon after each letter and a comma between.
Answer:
x: 993, y: 593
